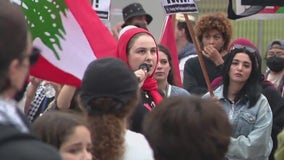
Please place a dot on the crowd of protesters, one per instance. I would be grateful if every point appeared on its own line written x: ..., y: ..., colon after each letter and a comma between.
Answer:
x: 130, y: 107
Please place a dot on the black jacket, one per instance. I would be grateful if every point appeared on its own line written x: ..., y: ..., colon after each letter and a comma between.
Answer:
x: 276, y: 103
x: 193, y: 79
x: 15, y: 145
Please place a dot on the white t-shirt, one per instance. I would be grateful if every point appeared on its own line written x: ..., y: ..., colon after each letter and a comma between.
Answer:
x: 137, y: 147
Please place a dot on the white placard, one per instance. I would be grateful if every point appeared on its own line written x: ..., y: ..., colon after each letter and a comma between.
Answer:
x: 102, y: 7
x: 179, y: 6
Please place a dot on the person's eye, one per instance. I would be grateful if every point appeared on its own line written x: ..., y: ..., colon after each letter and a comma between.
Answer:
x: 217, y: 37
x: 153, y: 51
x: 164, y: 61
x: 75, y: 150
x: 246, y: 65
x: 90, y: 149
x: 142, y: 51
x: 279, y: 54
x: 271, y: 54
x: 235, y: 63
x: 206, y: 36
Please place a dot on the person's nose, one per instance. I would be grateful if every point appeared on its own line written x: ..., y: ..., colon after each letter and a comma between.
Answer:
x: 211, y: 40
x: 240, y: 67
x: 87, y: 155
x: 149, y: 56
x: 159, y: 66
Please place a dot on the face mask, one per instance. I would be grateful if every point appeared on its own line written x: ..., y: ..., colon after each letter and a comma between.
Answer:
x: 275, y: 64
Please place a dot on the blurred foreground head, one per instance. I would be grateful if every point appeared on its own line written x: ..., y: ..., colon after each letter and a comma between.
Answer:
x: 183, y: 128
x: 15, y: 47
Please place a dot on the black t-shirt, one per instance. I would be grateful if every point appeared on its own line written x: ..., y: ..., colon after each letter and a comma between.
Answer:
x: 145, y: 105
x: 194, y: 81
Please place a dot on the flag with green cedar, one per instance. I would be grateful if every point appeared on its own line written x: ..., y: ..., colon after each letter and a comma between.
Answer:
x: 69, y: 34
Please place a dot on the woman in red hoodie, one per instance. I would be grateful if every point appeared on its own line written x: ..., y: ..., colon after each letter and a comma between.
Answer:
x: 138, y: 49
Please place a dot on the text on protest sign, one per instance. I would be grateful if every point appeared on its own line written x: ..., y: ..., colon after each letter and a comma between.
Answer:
x: 179, y: 6
x: 102, y: 7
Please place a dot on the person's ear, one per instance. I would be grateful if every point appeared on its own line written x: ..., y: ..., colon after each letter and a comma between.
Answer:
x: 13, y: 70
x: 13, y: 67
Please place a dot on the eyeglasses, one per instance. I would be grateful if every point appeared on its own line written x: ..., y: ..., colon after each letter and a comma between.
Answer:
x: 238, y: 46
x: 34, y: 56
x: 249, y: 49
x: 276, y: 54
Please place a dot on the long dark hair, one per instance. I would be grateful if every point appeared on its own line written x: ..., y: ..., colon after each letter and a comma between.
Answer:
x: 251, y: 90
x: 170, y: 78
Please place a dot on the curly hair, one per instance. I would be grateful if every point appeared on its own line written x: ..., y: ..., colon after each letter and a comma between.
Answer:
x: 216, y: 21
x: 108, y: 127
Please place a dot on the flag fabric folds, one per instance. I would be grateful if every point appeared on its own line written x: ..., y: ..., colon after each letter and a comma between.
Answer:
x: 248, y: 12
x: 168, y: 40
x: 70, y: 35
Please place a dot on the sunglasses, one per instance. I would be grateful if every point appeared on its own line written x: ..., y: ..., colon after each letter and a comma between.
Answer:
x: 242, y: 47
x: 34, y: 56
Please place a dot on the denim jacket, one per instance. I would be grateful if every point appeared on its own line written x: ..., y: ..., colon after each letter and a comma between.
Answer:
x: 251, y: 127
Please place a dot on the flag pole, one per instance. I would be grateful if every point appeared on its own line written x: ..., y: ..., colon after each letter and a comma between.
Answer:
x: 177, y: 77
x: 200, y: 57
x: 173, y: 21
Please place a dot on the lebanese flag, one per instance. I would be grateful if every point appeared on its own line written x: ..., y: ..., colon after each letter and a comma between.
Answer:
x: 168, y: 40
x: 70, y: 35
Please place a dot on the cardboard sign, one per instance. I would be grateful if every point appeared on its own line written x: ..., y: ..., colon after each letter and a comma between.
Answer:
x: 179, y: 6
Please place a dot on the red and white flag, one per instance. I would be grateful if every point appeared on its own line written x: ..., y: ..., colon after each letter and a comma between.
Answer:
x: 70, y: 35
x: 168, y: 40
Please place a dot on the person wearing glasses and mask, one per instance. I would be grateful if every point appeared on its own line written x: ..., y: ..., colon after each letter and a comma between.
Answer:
x: 275, y: 62
x: 247, y: 108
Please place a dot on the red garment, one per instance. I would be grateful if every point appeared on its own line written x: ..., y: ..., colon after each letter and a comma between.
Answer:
x: 216, y: 82
x: 150, y: 84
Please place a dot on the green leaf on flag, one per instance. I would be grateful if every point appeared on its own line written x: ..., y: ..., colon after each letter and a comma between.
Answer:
x: 44, y: 20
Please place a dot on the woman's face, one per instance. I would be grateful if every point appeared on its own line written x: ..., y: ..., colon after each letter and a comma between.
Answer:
x: 143, y: 50
x: 275, y: 52
x: 163, y: 67
x: 241, y: 68
x: 78, y: 145
x: 213, y: 37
